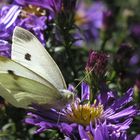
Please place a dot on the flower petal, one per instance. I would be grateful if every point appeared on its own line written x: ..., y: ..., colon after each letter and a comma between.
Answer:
x: 130, y: 111
x: 83, y: 133
x: 119, y: 103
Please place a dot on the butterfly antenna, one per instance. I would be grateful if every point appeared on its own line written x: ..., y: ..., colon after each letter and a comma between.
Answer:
x: 83, y: 79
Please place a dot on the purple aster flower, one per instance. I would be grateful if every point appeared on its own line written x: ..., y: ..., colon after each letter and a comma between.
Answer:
x: 31, y: 15
x: 91, y: 19
x: 15, y: 15
x: 109, y: 117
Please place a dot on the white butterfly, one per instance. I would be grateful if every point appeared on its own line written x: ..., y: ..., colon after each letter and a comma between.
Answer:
x: 32, y: 76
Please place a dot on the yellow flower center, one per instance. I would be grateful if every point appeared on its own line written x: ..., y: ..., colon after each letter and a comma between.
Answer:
x: 80, y: 18
x: 30, y: 9
x: 84, y: 114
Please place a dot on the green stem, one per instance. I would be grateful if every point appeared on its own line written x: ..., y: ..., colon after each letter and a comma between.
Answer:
x: 103, y: 44
x: 93, y: 87
x: 70, y: 60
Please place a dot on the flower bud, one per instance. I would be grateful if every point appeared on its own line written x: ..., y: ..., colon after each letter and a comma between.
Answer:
x: 97, y: 63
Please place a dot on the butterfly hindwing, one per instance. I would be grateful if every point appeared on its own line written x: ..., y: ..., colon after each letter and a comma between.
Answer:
x: 23, y: 92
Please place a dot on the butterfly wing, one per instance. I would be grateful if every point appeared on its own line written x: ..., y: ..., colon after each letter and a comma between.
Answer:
x: 5, y: 93
x: 10, y: 66
x: 28, y: 51
x: 23, y: 92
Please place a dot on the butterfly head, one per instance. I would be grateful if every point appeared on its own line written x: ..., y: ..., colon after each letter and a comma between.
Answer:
x: 67, y: 96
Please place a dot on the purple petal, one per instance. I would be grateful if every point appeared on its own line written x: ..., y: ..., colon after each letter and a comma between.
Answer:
x: 118, y: 136
x: 137, y: 137
x: 96, y: 13
x: 119, y: 103
x: 43, y: 126
x: 71, y: 88
x: 10, y: 17
x: 5, y: 48
x: 83, y: 133
x: 128, y: 112
x: 125, y: 125
x: 106, y: 98
x: 134, y: 60
x: 85, y: 93
x: 52, y: 5
x: 120, y: 126
x: 39, y: 122
x: 66, y: 129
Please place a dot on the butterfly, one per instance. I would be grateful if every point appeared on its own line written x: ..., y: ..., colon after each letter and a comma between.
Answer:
x: 31, y: 76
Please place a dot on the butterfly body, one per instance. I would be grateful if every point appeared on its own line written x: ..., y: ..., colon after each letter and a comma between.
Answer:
x: 31, y: 76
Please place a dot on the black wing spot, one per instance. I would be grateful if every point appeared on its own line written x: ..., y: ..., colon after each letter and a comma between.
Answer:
x: 28, y: 56
x: 11, y: 72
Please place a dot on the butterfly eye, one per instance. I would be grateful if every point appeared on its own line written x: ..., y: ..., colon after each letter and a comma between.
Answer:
x: 70, y: 96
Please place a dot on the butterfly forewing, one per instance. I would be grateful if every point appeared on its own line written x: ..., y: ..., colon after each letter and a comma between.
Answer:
x: 28, y: 51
